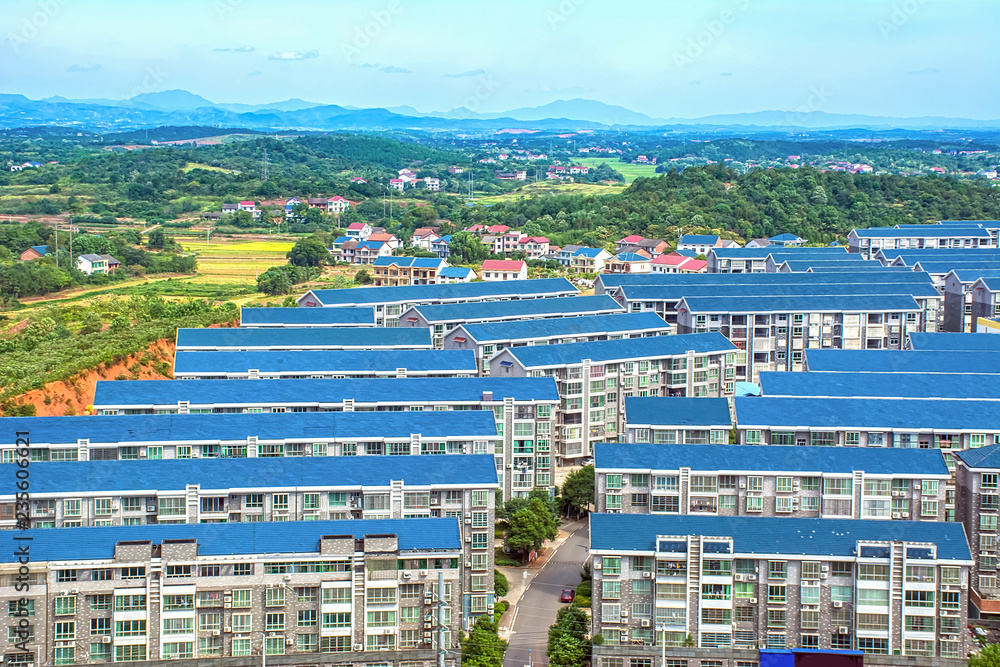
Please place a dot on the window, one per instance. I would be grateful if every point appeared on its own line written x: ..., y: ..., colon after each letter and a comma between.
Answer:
x: 919, y: 599
x: 208, y: 622
x: 243, y: 570
x: 336, y: 595
x: 274, y: 597
x: 178, y: 626
x: 66, y: 605
x: 783, y: 484
x: 776, y: 594
x: 130, y: 628
x: 610, y: 590
x: 130, y: 603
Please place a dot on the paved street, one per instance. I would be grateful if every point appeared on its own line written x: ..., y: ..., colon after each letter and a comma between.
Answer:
x: 536, y: 610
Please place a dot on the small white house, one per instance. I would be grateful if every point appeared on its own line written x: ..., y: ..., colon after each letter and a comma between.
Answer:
x: 90, y: 264
x: 504, y: 269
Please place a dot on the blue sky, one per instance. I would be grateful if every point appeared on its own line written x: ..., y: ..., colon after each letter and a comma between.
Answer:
x: 664, y: 58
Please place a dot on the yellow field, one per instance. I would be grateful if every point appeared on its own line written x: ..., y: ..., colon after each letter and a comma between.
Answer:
x: 629, y: 171
x: 207, y: 167
x: 546, y: 188
x: 221, y: 262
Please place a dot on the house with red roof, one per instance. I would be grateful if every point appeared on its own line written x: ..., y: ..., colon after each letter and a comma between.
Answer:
x: 357, y: 179
x: 424, y: 237
x: 675, y: 263
x: 635, y: 243
x: 359, y: 231
x: 504, y: 269
x: 337, y: 205
x: 397, y: 183
x: 533, y: 247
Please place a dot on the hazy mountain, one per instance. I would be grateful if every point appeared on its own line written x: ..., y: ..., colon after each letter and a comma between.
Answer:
x: 578, y: 109
x: 294, y: 104
x: 822, y: 119
x: 170, y: 100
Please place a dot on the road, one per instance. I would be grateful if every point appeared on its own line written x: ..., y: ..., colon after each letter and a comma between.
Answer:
x: 536, y: 610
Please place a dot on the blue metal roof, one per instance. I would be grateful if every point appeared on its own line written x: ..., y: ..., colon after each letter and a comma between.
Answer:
x: 775, y: 535
x: 686, y: 253
x: 930, y: 231
x: 699, y: 238
x: 954, y: 341
x: 330, y: 338
x: 972, y: 275
x: 615, y: 350
x: 588, y: 252
x: 985, y: 224
x: 861, y: 413
x: 880, y: 385
x: 75, y: 477
x: 797, y: 304
x: 264, y: 537
x: 785, y: 253
x: 944, y: 253
x: 480, y: 310
x: 819, y: 288
x: 326, y: 361
x: 629, y: 257
x: 405, y: 391
x: 612, y: 280
x: 40, y: 249
x: 804, y: 460
x: 232, y: 427
x: 786, y: 237
x: 677, y: 411
x: 413, y: 262
x: 947, y: 266
x: 454, y: 272
x: 901, y: 361
x: 831, y: 265
x: 566, y: 326
x: 308, y: 316
x: 356, y: 296
x: 981, y: 457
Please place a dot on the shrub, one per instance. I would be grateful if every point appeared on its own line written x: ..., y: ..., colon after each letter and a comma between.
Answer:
x: 500, y: 585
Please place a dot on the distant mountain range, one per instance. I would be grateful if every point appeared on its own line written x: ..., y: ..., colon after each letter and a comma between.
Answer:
x: 180, y: 107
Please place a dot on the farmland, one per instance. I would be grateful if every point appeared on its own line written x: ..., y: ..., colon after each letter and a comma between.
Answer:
x: 544, y: 188
x: 629, y: 171
x: 241, y: 262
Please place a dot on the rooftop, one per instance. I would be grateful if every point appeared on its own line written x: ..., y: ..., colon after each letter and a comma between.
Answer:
x: 781, y: 252
x: 356, y: 296
x: 325, y: 361
x: 495, y: 310
x: 676, y: 411
x: 265, y: 537
x: 503, y: 265
x: 851, y: 303
x: 317, y: 316
x: 972, y: 342
x: 230, y: 475
x: 775, y: 535
x: 699, y: 238
x: 981, y: 457
x: 454, y: 272
x: 412, y: 262
x: 729, y: 459
x: 951, y: 386
x: 629, y: 257
x: 929, y: 231
x: 619, y: 350
x: 367, y: 338
x: 405, y: 391
x: 901, y: 361
x: 866, y: 413
x: 305, y: 426
x: 618, y: 323
x: 612, y: 280
x: 869, y: 288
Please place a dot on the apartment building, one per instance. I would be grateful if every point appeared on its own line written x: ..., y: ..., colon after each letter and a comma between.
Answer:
x: 947, y: 342
x: 443, y: 318
x: 977, y: 472
x: 986, y: 299
x: 751, y: 583
x: 677, y: 420
x: 285, y: 318
x: 389, y: 302
x: 960, y: 287
x: 395, y: 271
x: 301, y: 338
x: 771, y: 481
x: 754, y: 260
x: 867, y: 242
x: 359, y: 592
x: 942, y: 386
x: 322, y: 364
x: 257, y: 435
x: 901, y: 361
x: 524, y: 409
x: 773, y: 333
x: 488, y: 339
x: 595, y: 378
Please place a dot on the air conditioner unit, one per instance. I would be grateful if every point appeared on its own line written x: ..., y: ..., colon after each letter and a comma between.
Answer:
x: 753, y: 600
x: 751, y: 577
x: 597, y: 565
x: 406, y: 575
x: 289, y: 641
x: 897, y: 494
x: 227, y: 598
x: 142, y: 452
x: 843, y: 630
x: 468, y: 515
x: 428, y: 624
x: 647, y: 575
x: 824, y: 575
x: 625, y: 613
x: 216, y: 633
x: 644, y: 623
x: 114, y: 506
x: 427, y: 636
x: 895, y: 515
x: 906, y: 515
x: 468, y: 538
x: 359, y: 647
x: 468, y: 522
x: 150, y: 508
x: 388, y: 631
x: 624, y: 636
x: 227, y: 628
x: 105, y: 640
x: 824, y: 568
x: 740, y: 577
x: 838, y: 604
x: 423, y: 573
x: 75, y: 591
x: 916, y: 487
x: 227, y: 605
x: 743, y: 485
x: 435, y: 501
x: 468, y: 563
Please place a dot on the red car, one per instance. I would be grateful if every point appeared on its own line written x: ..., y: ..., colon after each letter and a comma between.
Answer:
x: 567, y: 595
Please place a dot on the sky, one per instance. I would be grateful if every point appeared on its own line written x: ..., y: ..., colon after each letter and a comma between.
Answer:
x: 664, y: 58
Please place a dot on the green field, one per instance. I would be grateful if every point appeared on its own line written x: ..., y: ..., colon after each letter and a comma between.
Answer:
x: 629, y: 171
x: 224, y: 262
x: 543, y: 188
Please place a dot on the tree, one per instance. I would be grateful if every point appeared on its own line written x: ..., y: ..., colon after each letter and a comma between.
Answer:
x: 309, y: 251
x: 988, y: 657
x: 500, y: 585
x: 274, y: 281
x: 468, y: 248
x: 156, y: 239
x: 362, y: 277
x: 483, y: 647
x: 567, y: 644
x: 314, y: 216
x: 578, y: 489
x: 531, y: 526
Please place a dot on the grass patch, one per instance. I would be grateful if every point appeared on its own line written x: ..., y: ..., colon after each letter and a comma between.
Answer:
x: 238, y: 263
x: 542, y: 189
x: 207, y: 167
x: 629, y: 171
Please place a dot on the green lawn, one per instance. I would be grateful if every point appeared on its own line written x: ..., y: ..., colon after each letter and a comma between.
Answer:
x: 629, y: 171
x: 543, y: 188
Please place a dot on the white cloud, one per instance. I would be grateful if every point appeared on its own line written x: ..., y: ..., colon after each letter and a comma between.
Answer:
x: 238, y: 49
x: 294, y: 55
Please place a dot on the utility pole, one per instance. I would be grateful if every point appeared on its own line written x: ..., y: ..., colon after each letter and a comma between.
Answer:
x: 265, y: 165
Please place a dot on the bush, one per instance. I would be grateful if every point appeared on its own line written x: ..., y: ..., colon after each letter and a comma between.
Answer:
x: 505, y: 560
x: 500, y: 585
x: 581, y: 600
x: 584, y: 589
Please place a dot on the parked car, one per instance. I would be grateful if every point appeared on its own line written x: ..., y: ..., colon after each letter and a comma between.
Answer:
x: 567, y: 595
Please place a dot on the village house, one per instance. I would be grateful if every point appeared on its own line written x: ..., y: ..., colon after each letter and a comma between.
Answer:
x: 504, y: 269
